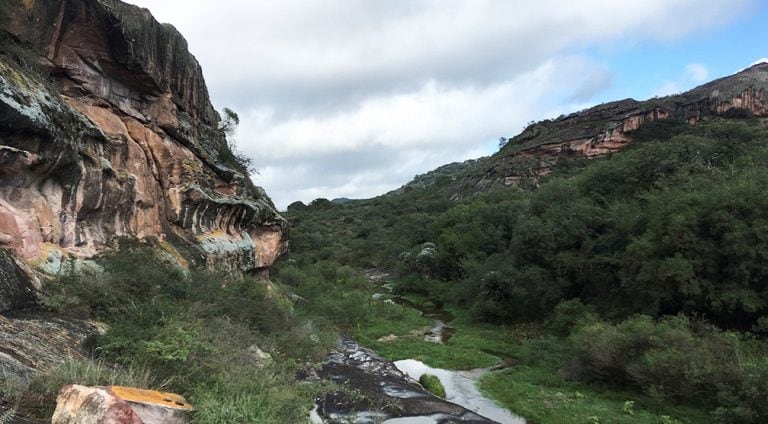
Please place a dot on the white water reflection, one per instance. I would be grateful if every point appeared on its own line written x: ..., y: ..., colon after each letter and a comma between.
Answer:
x: 460, y: 389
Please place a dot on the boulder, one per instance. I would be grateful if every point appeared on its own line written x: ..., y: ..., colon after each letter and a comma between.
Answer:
x: 77, y: 404
x: 258, y: 357
x: 84, y: 405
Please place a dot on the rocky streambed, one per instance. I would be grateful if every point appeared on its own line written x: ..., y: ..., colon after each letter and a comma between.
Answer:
x: 375, y: 390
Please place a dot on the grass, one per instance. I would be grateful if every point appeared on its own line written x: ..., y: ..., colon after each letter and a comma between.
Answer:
x: 253, y: 395
x: 194, y: 333
x: 531, y: 386
x: 473, y: 345
x: 409, y: 327
x: 38, y: 400
x: 541, y: 396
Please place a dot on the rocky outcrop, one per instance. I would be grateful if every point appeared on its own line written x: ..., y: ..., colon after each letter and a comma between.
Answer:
x: 107, y: 131
x: 38, y: 342
x: 386, y: 392
x: 606, y: 128
x: 77, y: 404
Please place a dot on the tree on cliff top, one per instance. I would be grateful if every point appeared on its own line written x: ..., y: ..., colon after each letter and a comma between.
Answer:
x: 229, y: 152
x: 230, y: 122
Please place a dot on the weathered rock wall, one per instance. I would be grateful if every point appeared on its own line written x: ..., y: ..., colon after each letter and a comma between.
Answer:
x: 107, y: 131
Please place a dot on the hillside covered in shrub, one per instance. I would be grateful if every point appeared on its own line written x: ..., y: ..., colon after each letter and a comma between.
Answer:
x: 649, y: 263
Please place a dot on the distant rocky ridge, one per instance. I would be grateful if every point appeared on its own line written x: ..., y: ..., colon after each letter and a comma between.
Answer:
x: 107, y: 132
x: 596, y: 132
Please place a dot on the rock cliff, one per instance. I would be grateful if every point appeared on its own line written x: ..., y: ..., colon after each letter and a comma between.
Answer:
x: 106, y: 132
x: 608, y: 127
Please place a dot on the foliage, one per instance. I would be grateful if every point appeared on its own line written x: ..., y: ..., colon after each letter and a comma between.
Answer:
x: 672, y: 226
x: 195, y: 330
x: 534, y: 388
x: 666, y: 227
x: 570, y: 314
x: 229, y: 153
x: 432, y: 383
x: 230, y: 122
x: 677, y: 359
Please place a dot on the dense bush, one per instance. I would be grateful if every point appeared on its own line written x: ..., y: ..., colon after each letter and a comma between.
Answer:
x: 666, y: 227
x: 679, y: 359
x: 675, y: 223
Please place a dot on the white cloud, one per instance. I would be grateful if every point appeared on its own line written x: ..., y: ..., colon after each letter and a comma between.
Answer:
x: 668, y: 89
x: 407, y: 133
x: 416, y: 83
x: 697, y: 72
x: 693, y: 74
x: 758, y: 61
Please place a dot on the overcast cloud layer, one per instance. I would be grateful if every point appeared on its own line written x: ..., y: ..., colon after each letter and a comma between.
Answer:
x: 341, y: 98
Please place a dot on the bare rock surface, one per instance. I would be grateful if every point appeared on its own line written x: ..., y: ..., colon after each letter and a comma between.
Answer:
x: 77, y: 404
x: 389, y: 393
x: 16, y: 290
x: 113, y: 135
x: 32, y: 342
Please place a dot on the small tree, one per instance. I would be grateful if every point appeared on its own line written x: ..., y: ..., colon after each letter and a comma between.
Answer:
x: 502, y: 142
x: 229, y: 152
x: 230, y: 122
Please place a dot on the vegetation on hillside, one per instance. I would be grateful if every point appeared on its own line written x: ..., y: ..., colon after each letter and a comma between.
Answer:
x: 648, y: 266
x: 192, y: 332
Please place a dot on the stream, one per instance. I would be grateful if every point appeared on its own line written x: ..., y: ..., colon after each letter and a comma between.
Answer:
x: 390, y: 391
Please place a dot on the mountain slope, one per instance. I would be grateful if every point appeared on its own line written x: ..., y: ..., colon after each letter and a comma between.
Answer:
x: 603, y: 129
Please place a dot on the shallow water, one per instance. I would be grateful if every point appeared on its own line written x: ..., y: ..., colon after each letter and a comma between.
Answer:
x: 396, y: 384
x: 461, y: 389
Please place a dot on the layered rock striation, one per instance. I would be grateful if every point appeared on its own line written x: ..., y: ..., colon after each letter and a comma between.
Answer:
x: 106, y: 132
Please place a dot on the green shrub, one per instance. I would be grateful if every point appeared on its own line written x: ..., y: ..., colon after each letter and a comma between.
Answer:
x: 133, y: 273
x: 197, y: 331
x: 569, y: 314
x: 432, y: 383
x: 678, y: 359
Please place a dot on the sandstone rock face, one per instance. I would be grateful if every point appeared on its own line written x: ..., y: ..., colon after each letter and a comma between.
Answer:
x: 608, y: 127
x: 118, y: 138
x: 118, y: 405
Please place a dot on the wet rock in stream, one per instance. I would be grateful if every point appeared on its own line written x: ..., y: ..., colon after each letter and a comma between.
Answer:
x: 386, y: 392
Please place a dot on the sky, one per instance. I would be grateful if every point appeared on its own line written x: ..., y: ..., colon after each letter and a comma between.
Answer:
x: 353, y: 98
